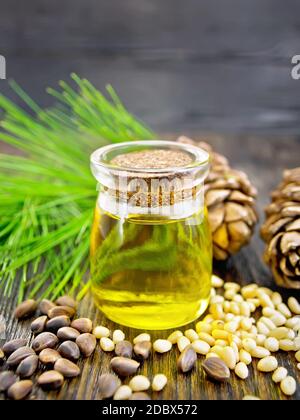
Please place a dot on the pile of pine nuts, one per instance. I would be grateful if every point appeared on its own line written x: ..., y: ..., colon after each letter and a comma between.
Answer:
x: 231, y: 333
x: 231, y: 324
x: 112, y: 387
x: 242, y: 324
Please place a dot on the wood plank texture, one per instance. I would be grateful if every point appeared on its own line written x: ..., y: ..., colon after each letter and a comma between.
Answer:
x: 263, y: 159
x: 202, y: 65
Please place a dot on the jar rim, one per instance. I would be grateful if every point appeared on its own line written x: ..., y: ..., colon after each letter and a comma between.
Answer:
x: 99, y: 158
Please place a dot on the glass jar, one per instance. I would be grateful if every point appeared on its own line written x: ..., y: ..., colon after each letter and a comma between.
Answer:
x: 151, y: 248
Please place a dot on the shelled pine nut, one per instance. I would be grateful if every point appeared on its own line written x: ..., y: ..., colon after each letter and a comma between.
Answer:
x: 231, y: 326
x: 288, y: 386
x: 229, y: 294
x: 294, y: 305
x: 283, y: 308
x: 235, y: 308
x: 220, y: 334
x: 292, y: 323
x: 232, y: 286
x: 217, y: 325
x: 162, y: 346
x: 249, y: 344
x: 124, y: 392
x: 297, y: 344
x: 279, y: 374
x: 216, y: 310
x: 265, y: 300
x: 269, y: 312
x: 191, y: 335
x: 286, y: 345
x: 139, y: 383
x: 208, y: 319
x: 280, y: 333
x: 226, y: 309
x: 182, y: 343
x: 260, y: 352
x: 251, y: 398
x: 262, y: 328
x: 268, y: 322
x: 228, y: 356
x: 276, y: 298
x: 174, y: 336
x: 278, y: 319
x: 222, y: 343
x: 118, y: 336
x: 291, y: 334
x: 229, y: 317
x: 260, y: 340
x: 217, y: 299
x: 101, y: 331
x: 236, y: 351
x: 247, y: 334
x: 241, y: 370
x: 217, y: 350
x: 271, y: 344
x: 207, y: 338
x: 159, y: 382
x: 249, y: 291
x: 217, y: 282
x: 141, y: 337
x: 201, y: 347
x: 266, y: 290
x: 203, y: 327
x: 235, y: 339
x: 211, y: 355
x: 238, y: 298
x: 253, y: 304
x: 245, y: 357
x: 246, y: 324
x: 107, y: 344
x: 267, y: 364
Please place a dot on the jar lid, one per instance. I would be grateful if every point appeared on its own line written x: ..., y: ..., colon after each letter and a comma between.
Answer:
x: 149, y: 158
x: 153, y: 173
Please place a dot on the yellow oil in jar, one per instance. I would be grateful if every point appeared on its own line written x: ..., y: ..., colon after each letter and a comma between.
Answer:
x: 149, y: 272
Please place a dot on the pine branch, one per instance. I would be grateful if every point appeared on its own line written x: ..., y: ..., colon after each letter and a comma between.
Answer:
x: 48, y: 194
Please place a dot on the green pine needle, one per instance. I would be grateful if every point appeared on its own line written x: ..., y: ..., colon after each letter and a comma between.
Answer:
x: 47, y: 192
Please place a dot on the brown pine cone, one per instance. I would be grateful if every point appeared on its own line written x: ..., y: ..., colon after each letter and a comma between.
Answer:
x: 281, y: 231
x: 230, y: 199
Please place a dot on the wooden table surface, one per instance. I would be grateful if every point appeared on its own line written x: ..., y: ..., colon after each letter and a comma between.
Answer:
x: 263, y: 159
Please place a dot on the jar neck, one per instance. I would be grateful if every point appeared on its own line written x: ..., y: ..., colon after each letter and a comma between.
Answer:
x: 159, y: 199
x: 158, y: 178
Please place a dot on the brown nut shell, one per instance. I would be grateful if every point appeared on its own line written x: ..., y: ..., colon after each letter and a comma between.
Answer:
x: 25, y: 309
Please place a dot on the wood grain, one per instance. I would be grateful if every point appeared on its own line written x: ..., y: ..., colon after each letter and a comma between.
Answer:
x: 206, y: 65
x: 263, y: 159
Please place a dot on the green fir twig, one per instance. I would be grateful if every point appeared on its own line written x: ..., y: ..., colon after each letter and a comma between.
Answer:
x: 47, y: 192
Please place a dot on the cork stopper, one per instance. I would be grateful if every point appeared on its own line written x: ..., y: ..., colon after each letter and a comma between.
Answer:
x: 150, y: 176
x: 153, y: 159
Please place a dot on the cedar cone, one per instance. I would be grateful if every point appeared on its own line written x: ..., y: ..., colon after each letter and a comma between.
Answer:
x: 230, y: 199
x: 281, y: 231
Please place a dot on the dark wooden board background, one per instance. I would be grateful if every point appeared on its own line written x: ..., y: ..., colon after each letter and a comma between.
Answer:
x: 263, y: 158
x: 196, y: 65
